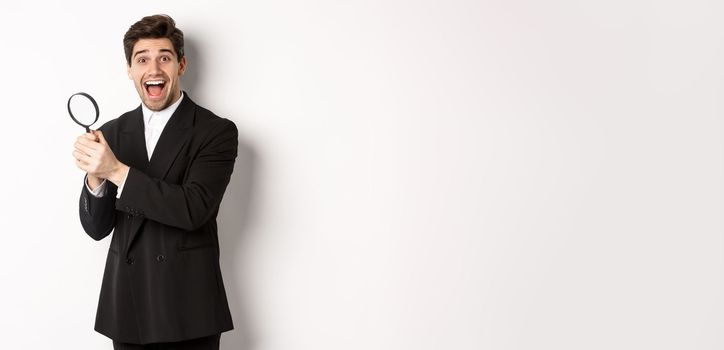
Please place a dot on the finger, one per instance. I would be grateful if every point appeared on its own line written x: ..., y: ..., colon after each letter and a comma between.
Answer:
x: 81, y: 165
x: 90, y: 136
x: 84, y: 157
x: 90, y: 143
x: 87, y: 150
x: 99, y: 134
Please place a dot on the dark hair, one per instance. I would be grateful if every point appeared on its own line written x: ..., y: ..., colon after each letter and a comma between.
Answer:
x: 154, y: 27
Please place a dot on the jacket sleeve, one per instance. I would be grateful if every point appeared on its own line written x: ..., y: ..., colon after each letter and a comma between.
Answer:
x: 192, y: 203
x: 97, y: 214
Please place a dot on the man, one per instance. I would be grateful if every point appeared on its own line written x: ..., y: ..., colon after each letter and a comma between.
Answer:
x: 155, y: 177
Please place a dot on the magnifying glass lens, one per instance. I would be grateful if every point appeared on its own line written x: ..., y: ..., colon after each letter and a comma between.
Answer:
x: 83, y: 109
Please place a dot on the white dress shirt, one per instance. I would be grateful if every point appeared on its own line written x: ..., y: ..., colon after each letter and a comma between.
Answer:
x: 153, y: 124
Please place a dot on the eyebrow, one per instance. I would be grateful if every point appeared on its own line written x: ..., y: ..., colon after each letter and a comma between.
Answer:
x: 161, y: 50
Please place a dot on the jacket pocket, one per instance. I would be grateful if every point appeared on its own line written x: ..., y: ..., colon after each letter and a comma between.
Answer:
x: 200, y: 238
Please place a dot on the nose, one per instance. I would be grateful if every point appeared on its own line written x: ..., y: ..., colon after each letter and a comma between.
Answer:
x: 154, y: 67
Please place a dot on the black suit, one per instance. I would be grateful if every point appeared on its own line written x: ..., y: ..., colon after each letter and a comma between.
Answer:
x: 162, y: 281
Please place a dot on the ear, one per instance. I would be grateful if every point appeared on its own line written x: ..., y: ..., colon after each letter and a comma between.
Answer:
x: 128, y: 71
x: 182, y: 66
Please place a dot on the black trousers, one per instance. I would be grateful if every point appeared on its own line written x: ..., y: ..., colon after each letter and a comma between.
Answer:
x: 205, y: 343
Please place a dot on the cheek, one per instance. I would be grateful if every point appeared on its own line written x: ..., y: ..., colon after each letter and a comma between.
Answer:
x: 172, y: 73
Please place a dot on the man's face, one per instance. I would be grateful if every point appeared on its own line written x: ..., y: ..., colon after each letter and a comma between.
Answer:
x: 156, y: 72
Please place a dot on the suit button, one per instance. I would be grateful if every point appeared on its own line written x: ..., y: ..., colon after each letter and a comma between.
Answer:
x: 160, y: 258
x: 129, y: 261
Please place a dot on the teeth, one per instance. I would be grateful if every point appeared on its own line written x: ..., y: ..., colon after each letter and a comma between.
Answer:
x: 154, y: 82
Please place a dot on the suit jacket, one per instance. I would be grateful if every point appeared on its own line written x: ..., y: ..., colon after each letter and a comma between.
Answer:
x: 162, y: 281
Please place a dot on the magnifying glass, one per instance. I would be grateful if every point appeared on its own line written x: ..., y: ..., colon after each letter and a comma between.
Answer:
x: 83, y: 109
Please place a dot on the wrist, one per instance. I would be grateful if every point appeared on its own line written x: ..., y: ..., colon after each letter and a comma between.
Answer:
x: 94, y: 181
x: 118, y: 175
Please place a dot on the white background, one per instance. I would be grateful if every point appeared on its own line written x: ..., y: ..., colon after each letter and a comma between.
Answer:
x: 457, y: 175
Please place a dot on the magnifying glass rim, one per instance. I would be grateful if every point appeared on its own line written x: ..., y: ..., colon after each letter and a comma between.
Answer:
x: 95, y: 105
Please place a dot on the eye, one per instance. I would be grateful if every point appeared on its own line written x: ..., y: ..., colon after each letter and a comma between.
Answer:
x: 165, y: 58
x: 141, y: 60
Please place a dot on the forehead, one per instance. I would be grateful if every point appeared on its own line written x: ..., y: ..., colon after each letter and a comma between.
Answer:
x: 153, y: 45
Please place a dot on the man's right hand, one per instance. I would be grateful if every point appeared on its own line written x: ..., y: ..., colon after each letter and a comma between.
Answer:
x: 93, y: 181
x: 94, y: 155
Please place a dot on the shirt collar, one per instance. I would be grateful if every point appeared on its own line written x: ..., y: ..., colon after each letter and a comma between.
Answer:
x: 164, y: 114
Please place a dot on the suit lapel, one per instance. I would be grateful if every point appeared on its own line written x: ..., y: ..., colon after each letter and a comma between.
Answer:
x: 132, y: 143
x: 174, y: 135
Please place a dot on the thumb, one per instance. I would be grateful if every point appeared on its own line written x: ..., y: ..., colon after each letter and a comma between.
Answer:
x: 99, y: 137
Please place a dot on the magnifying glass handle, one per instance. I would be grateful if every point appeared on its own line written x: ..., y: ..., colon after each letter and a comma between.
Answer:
x: 87, y: 129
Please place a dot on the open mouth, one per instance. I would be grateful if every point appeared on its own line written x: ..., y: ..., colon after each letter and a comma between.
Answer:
x: 154, y: 88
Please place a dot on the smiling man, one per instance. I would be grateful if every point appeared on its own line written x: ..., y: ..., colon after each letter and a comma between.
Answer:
x: 155, y: 177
